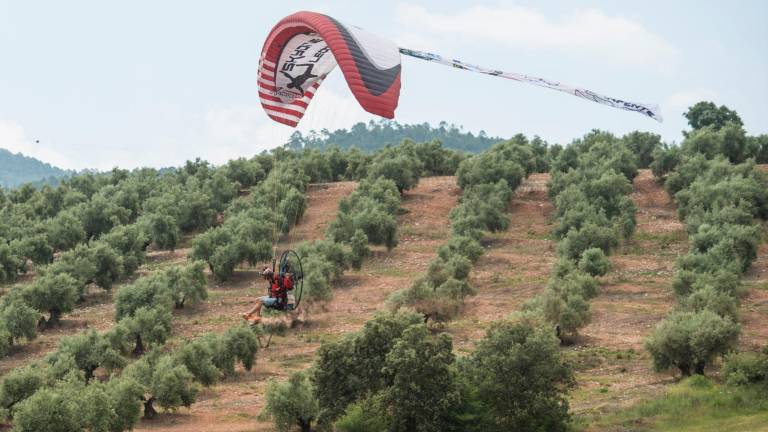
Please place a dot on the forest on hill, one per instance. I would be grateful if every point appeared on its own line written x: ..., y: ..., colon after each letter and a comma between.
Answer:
x: 17, y: 169
x: 377, y: 134
x: 168, y: 257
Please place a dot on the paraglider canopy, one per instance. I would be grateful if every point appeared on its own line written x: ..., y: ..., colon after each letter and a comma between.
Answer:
x: 304, y: 47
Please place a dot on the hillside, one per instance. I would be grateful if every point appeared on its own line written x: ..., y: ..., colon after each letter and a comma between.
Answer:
x: 16, y: 169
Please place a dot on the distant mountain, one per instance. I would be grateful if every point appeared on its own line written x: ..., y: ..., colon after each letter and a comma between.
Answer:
x: 16, y: 169
x: 375, y: 135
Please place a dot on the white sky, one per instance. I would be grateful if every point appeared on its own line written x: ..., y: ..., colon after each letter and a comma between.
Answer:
x: 103, y: 84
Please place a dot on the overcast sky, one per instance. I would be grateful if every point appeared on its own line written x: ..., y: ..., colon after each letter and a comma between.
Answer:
x: 154, y: 83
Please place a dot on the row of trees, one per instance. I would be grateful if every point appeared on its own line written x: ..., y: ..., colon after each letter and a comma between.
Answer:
x: 61, y: 393
x: 37, y: 224
x: 396, y: 375
x: 590, y: 187
x: 252, y: 224
x: 113, y: 243
x: 719, y: 193
x: 488, y: 180
x: 367, y: 216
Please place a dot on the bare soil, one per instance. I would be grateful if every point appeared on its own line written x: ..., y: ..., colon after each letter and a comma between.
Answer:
x: 515, y: 266
x: 635, y: 295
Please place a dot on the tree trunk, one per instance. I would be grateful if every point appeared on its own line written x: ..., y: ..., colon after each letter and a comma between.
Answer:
x: 139, y: 349
x: 699, y: 369
x: 55, y: 317
x: 685, y: 370
x: 89, y: 373
x: 149, y: 410
x: 305, y: 425
x: 180, y: 304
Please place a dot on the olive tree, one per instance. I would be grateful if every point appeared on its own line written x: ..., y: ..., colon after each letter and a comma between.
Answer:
x: 54, y: 294
x: 291, y: 403
x: 518, y: 377
x: 691, y: 340
x: 163, y: 381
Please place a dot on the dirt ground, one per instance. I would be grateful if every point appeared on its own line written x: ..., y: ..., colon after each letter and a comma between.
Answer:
x: 613, y: 368
x: 515, y: 266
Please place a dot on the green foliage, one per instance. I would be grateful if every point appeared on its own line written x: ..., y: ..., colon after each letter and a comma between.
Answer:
x: 187, y: 284
x: 55, y: 294
x: 518, y: 378
x: 368, y: 415
x: 17, y: 318
x: 163, y: 381
x: 90, y: 351
x: 291, y: 403
x: 49, y: 410
x: 746, y: 368
x: 360, y: 249
x: 707, y: 114
x: 397, y: 164
x: 665, y: 160
x: 642, y: 144
x: 197, y: 356
x: 241, y: 343
x: 347, y: 370
x: 691, y: 340
x: 149, y: 291
x: 163, y: 230
x: 108, y: 263
x: 34, y: 248
x: 146, y: 327
x: 19, y: 384
x: 371, y: 209
x: 422, y: 395
x: 594, y: 262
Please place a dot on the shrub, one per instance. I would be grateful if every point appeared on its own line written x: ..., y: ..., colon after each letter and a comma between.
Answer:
x: 709, y: 298
x: 691, y: 340
x: 19, y: 384
x: 163, y: 230
x: 594, y: 262
x: 197, y: 356
x: 360, y: 249
x: 241, y: 343
x: 163, y: 381
x: 48, y: 410
x: 746, y: 368
x: 291, y: 403
x: 77, y: 263
x: 187, y: 284
x: 346, y: 370
x: 462, y: 246
x: 518, y: 377
x: 90, y: 351
x: 422, y: 395
x: 53, y: 294
x: 17, y: 318
x: 149, y: 291
x: 146, y: 327
x: 108, y: 262
x: 589, y: 236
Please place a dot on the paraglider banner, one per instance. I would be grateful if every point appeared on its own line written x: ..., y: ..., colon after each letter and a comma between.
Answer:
x: 651, y: 111
x: 303, y: 48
